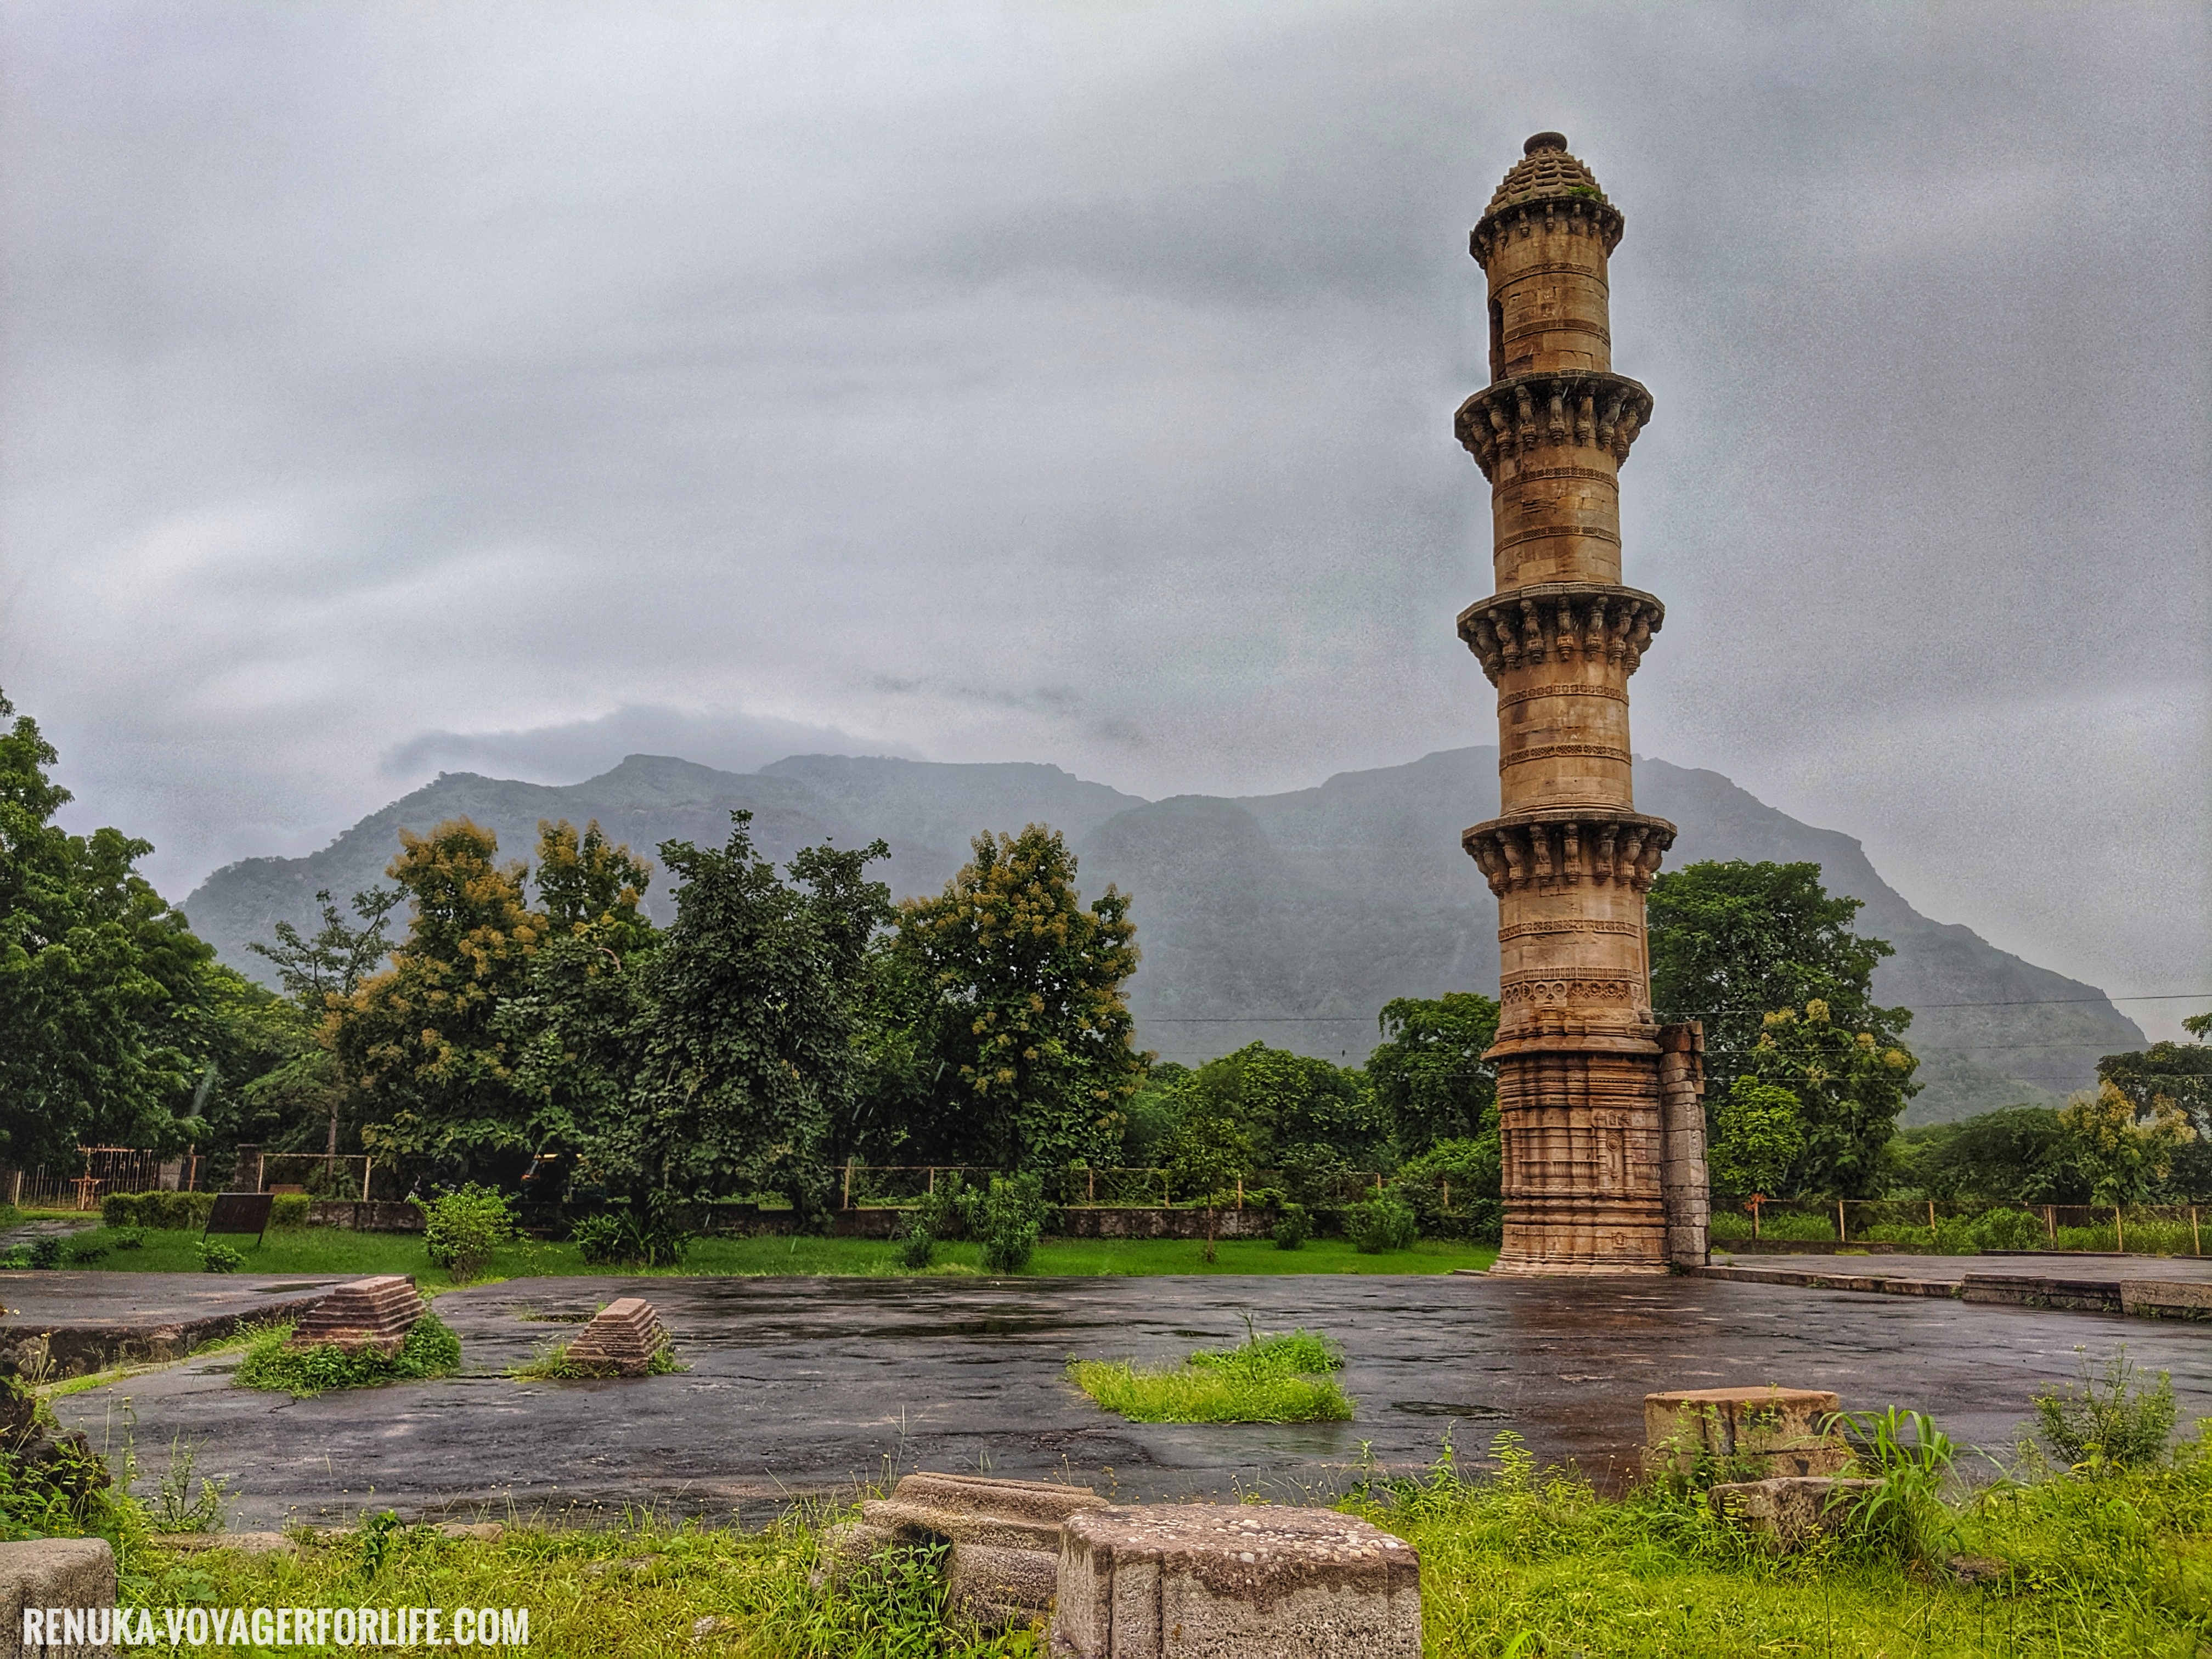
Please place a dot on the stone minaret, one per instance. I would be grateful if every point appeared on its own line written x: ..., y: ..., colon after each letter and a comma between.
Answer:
x: 1586, y: 1123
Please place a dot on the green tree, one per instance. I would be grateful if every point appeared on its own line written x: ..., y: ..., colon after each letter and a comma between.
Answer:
x: 420, y: 1038
x: 1732, y: 942
x: 320, y: 974
x: 1760, y: 1136
x: 1302, y: 1114
x: 2179, y: 1074
x: 748, y: 1053
x: 1211, y: 1150
x: 1021, y: 1010
x: 2020, y: 1155
x: 576, y: 1025
x: 99, y: 978
x: 2124, y: 1149
x: 1849, y: 1085
x: 1430, y: 1079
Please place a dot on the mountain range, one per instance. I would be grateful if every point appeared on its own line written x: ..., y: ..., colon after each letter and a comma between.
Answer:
x: 1291, y: 918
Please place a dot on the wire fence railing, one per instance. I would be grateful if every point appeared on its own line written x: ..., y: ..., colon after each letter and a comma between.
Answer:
x: 1962, y: 1227
x: 880, y: 1186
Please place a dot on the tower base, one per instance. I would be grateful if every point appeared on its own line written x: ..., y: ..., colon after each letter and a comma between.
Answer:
x: 1581, y: 1133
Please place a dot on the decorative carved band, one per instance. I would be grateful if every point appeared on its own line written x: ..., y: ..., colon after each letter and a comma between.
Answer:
x: 1542, y: 989
x: 1528, y: 475
x: 1554, y: 751
x: 1581, y: 689
x: 1519, y: 415
x: 1559, y: 847
x: 1576, y: 215
x: 1541, y: 532
x: 1560, y: 621
x: 1515, y: 930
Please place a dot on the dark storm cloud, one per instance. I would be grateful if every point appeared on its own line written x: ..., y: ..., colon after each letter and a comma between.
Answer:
x: 1074, y: 384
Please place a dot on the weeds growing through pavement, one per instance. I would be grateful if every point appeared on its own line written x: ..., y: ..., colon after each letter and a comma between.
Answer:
x: 1280, y: 1379
x: 430, y: 1350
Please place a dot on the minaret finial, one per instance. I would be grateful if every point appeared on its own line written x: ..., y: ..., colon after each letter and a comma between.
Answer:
x: 1544, y: 141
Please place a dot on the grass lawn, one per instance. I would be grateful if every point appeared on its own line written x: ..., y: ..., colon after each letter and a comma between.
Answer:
x: 1513, y: 1562
x: 323, y: 1251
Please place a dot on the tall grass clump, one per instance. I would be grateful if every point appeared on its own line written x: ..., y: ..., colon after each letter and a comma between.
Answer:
x: 431, y: 1350
x: 1279, y: 1378
x: 2108, y: 1419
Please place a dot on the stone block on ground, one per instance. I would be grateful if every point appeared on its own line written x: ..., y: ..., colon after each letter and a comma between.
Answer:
x: 620, y: 1340
x: 1782, y: 1432
x: 1234, y: 1582
x: 54, y: 1572
x: 1789, y: 1511
x: 367, y: 1313
x: 2167, y: 1298
x: 1004, y: 1536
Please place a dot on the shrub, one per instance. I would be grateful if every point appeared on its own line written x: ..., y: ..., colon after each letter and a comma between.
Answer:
x: 461, y: 1228
x: 430, y: 1350
x: 1904, y: 1515
x: 1385, y: 1222
x: 943, y: 1210
x: 2010, y: 1229
x: 1727, y: 1224
x: 654, y: 1236
x: 2114, y: 1420
x: 1790, y: 1226
x: 130, y: 1238
x: 219, y: 1258
x: 46, y: 1252
x: 171, y: 1212
x: 1294, y: 1227
x: 1009, y: 1217
x: 552, y: 1364
x: 917, y: 1246
x: 88, y: 1250
x: 290, y: 1211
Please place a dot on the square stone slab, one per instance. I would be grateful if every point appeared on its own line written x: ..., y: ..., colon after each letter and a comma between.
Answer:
x: 367, y: 1313
x: 1789, y: 1511
x: 1234, y: 1582
x: 1005, y: 1536
x: 620, y: 1340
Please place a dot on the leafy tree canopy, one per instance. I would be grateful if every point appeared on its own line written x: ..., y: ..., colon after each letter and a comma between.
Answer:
x: 1732, y: 941
x: 1430, y: 1079
x: 100, y: 980
x: 1849, y: 1085
x: 1018, y: 996
x: 2125, y: 1150
x: 748, y: 1054
x: 1760, y: 1136
x: 1298, y: 1112
x: 2021, y: 1155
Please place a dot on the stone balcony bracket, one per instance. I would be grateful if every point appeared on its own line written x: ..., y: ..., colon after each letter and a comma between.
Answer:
x: 1576, y: 215
x: 1561, y: 621
x: 1550, y: 848
x: 1527, y: 412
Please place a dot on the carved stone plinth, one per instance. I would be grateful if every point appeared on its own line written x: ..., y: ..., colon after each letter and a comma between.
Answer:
x: 1785, y: 1431
x: 1004, y: 1537
x: 621, y: 1341
x: 369, y: 1313
x: 1234, y: 1582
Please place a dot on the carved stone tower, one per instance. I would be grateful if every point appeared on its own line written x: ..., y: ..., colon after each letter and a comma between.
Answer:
x: 1578, y: 1054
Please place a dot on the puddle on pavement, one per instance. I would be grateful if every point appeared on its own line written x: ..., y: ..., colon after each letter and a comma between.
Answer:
x: 1448, y: 1408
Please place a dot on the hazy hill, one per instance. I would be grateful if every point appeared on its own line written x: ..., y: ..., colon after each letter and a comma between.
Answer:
x: 1290, y: 917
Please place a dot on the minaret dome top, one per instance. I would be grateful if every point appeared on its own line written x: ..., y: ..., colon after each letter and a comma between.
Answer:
x: 1544, y: 141
x: 1545, y: 172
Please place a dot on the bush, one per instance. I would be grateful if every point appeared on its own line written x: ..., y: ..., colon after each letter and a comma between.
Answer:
x: 169, y: 1212
x: 1009, y: 1217
x: 1790, y: 1226
x: 46, y: 1252
x: 461, y: 1228
x: 2112, y: 1421
x: 917, y: 1246
x: 944, y: 1209
x: 1385, y: 1222
x: 1729, y: 1224
x: 2010, y: 1229
x: 430, y: 1350
x: 289, y: 1210
x: 1294, y: 1227
x: 219, y: 1258
x: 652, y: 1238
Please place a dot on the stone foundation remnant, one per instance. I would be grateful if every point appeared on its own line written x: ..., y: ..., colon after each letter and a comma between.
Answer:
x: 1004, y: 1536
x: 1595, y: 1115
x: 369, y: 1313
x: 1789, y: 1511
x: 621, y: 1341
x: 1780, y: 1432
x: 1234, y: 1582
x: 73, y: 1574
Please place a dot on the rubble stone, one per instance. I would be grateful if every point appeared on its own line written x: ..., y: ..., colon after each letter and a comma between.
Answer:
x: 1004, y: 1536
x: 1783, y: 1432
x: 1789, y: 1511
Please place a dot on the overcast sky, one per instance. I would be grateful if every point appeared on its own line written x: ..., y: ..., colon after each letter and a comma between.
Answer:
x: 391, y: 388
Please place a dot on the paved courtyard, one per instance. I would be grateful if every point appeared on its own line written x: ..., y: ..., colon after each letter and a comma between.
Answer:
x: 805, y: 1386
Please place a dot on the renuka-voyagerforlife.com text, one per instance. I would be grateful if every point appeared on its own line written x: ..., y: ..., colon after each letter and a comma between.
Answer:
x: 63, y: 1628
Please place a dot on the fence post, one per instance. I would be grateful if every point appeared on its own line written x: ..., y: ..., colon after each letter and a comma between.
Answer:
x: 2196, y: 1238
x: 2119, y: 1232
x: 366, y: 1164
x: 1931, y: 1218
x: 1091, y: 1184
x: 1240, y: 1191
x: 1754, y: 1219
x: 1842, y: 1237
x: 2050, y: 1224
x: 847, y: 1203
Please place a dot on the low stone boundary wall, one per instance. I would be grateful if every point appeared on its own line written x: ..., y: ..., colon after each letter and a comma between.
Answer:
x: 376, y: 1215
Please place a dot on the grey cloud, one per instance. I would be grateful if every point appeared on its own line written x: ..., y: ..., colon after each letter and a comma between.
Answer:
x: 577, y: 750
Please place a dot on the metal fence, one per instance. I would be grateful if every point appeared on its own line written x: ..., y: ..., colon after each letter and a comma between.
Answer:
x: 95, y: 1172
x: 901, y: 1186
x: 2154, y: 1228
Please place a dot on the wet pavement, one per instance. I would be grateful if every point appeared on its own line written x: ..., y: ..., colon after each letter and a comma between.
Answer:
x: 806, y: 1386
